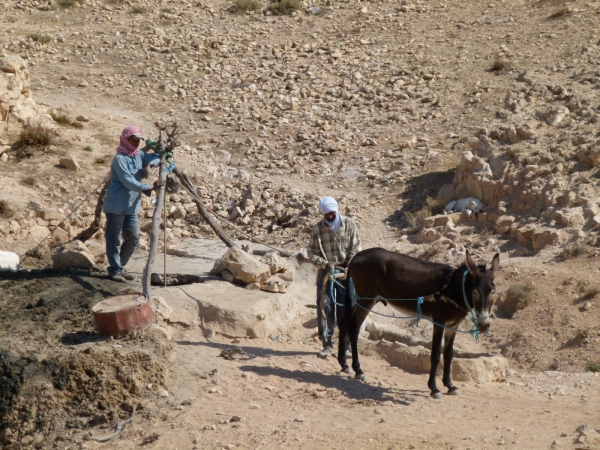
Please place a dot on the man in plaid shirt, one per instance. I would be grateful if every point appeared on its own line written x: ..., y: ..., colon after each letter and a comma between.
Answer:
x: 334, y: 242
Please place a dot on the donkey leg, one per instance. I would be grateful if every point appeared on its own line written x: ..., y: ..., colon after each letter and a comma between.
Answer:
x: 436, y: 348
x: 448, y: 355
x: 358, y: 317
x: 342, y: 347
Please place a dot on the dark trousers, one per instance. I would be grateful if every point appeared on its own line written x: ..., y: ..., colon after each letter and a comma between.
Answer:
x: 331, y: 310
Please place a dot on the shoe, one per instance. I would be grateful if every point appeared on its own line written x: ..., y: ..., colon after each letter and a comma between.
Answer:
x: 127, y: 276
x: 326, y: 352
x: 118, y: 277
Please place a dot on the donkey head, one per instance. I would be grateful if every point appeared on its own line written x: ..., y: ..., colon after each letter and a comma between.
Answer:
x: 483, y: 290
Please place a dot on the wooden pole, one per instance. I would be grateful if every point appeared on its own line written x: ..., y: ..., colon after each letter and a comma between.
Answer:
x: 95, y: 225
x: 189, y: 186
x: 156, y: 219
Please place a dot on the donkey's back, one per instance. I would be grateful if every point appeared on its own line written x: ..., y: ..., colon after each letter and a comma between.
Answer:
x: 379, y: 272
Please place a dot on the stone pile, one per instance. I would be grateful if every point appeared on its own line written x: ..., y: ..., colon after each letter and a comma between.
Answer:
x: 271, y: 273
x: 539, y: 189
x: 17, y: 107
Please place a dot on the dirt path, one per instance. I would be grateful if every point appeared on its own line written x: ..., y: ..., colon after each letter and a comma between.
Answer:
x: 303, y: 402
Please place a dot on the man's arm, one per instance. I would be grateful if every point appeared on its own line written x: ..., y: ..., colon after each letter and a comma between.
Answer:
x: 152, y: 159
x: 127, y: 179
x: 354, y: 244
x: 314, y: 251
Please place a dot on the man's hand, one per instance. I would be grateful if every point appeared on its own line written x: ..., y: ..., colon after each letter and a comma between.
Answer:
x: 329, y: 267
x: 158, y: 183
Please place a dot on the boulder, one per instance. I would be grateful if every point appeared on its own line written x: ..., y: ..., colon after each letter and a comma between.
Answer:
x: 245, y: 267
x: 538, y: 237
x: 73, y: 254
x: 481, y: 370
x: 69, y: 163
x: 503, y: 224
x: 9, y: 262
x: 275, y: 262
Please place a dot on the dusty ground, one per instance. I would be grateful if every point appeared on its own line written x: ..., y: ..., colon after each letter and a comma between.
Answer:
x: 133, y: 75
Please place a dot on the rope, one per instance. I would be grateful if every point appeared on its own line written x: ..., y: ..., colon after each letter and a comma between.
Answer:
x: 30, y: 252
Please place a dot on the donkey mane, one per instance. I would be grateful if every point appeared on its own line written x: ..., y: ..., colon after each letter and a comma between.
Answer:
x: 463, y: 266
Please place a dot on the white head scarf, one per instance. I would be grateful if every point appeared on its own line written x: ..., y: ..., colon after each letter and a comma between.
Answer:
x: 326, y: 206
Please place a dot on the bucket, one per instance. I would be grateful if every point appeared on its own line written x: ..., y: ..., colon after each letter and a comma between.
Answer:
x: 122, y: 314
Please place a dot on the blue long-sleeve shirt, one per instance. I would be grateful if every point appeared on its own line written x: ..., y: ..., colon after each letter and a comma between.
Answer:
x: 125, y: 191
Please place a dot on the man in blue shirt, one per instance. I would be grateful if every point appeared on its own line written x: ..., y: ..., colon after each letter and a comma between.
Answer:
x: 123, y: 201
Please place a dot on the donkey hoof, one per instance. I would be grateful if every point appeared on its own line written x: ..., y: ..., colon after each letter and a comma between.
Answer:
x: 346, y: 369
x: 437, y: 395
x: 360, y: 377
x: 453, y: 391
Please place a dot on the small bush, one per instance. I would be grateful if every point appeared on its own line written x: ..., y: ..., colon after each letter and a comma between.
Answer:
x: 241, y: 6
x: 5, y: 210
x: 61, y: 118
x: 572, y: 251
x: 139, y: 10
x: 69, y: 3
x: 88, y: 148
x: 43, y: 38
x: 518, y: 297
x: 428, y: 252
x: 101, y: 160
x: 562, y: 12
x: 77, y: 125
x: 499, y: 66
x: 416, y: 219
x: 34, y: 137
x: 285, y: 7
x: 28, y: 181
x: 592, y: 367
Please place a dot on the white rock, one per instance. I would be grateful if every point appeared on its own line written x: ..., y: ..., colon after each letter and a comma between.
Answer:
x: 9, y: 261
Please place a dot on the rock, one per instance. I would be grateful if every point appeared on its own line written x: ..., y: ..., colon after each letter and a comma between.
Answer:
x: 300, y: 418
x: 480, y: 370
x: 12, y: 64
x: 245, y: 267
x: 538, y: 237
x: 209, y: 427
x: 9, y: 262
x: 227, y: 276
x: 254, y: 406
x: 163, y: 394
x: 275, y: 262
x: 553, y: 114
x: 253, y: 286
x: 162, y: 308
x: 436, y: 221
x: 503, y: 224
x: 73, y: 254
x: 50, y: 214
x: 218, y: 267
x: 179, y: 213
x: 69, y: 163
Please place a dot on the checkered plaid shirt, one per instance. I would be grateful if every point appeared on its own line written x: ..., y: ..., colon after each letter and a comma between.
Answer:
x: 324, y: 247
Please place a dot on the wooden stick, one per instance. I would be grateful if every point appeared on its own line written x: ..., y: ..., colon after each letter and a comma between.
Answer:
x: 95, y: 225
x: 156, y: 219
x: 189, y: 186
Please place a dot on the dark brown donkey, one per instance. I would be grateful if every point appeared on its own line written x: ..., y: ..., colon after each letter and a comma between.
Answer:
x: 379, y: 274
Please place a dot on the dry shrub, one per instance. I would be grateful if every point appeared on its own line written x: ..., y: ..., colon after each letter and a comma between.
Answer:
x: 28, y: 181
x: 518, y: 297
x: 36, y: 37
x: 572, y: 251
x: 428, y: 252
x: 242, y: 6
x: 69, y: 3
x: 5, y: 210
x: 499, y: 66
x: 285, y: 7
x: 63, y: 119
x: 36, y: 137
x: 431, y: 208
x: 101, y: 160
x: 139, y: 10
x: 562, y: 12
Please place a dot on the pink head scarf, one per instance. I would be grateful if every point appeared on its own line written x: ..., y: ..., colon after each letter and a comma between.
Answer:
x: 125, y: 147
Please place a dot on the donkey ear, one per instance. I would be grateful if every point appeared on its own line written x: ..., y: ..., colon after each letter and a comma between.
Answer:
x: 496, y: 263
x: 470, y: 263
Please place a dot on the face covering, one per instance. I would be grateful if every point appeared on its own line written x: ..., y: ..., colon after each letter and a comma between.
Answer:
x: 335, y: 224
